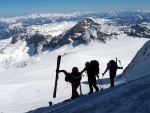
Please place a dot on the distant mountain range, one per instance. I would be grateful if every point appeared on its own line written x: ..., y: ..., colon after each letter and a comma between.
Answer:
x: 36, y: 29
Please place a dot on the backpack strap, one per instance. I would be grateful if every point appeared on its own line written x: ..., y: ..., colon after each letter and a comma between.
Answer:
x: 77, y: 76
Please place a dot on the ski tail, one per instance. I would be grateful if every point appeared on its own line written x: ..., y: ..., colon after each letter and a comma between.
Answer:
x: 56, y: 79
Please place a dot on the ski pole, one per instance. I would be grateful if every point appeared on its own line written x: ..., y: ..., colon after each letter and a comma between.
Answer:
x: 101, y: 82
x: 122, y: 69
x: 80, y: 89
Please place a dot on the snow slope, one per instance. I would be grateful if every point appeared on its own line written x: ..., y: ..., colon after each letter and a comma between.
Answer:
x: 31, y: 86
x: 125, y: 98
x: 140, y: 63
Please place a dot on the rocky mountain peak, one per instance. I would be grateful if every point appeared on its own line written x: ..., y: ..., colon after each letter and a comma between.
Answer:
x: 86, y: 30
x: 85, y: 22
x: 139, y: 30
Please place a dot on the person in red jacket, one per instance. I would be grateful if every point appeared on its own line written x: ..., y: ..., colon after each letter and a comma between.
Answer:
x: 74, y: 78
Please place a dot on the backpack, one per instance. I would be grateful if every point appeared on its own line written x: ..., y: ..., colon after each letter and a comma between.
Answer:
x: 94, y: 64
x: 113, y: 65
x: 68, y: 77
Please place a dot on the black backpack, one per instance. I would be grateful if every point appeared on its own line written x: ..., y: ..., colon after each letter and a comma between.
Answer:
x: 67, y: 78
x: 113, y: 65
x: 94, y: 65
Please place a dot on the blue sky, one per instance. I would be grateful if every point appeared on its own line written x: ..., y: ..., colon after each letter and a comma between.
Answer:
x: 11, y: 8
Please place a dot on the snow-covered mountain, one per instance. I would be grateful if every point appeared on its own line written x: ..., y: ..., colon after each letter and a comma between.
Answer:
x: 49, y: 31
x: 140, y: 63
x: 139, y: 31
x: 46, y: 32
x: 13, y: 26
x: 83, y: 32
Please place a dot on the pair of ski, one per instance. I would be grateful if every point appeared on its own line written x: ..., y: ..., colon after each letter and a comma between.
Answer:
x: 56, y: 79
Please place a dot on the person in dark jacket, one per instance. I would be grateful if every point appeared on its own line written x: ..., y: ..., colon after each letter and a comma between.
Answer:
x: 112, y: 67
x: 91, y: 77
x: 74, y: 78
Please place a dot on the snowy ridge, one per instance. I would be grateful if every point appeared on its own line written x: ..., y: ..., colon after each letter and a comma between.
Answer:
x: 120, y: 99
x: 53, y: 29
x: 140, y: 64
x: 67, y: 15
x: 48, y: 15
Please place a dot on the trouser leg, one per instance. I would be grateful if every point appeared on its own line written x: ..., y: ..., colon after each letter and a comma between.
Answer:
x: 74, y: 90
x: 112, y: 77
x: 90, y: 85
x: 93, y: 80
x: 95, y: 84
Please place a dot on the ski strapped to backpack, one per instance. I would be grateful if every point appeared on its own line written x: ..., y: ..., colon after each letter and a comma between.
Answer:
x: 56, y: 79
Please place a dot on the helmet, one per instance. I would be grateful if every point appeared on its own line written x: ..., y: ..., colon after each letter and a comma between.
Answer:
x: 74, y: 69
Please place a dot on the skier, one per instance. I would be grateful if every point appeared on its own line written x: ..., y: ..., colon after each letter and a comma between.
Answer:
x: 74, y: 78
x: 91, y: 76
x: 112, y: 67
